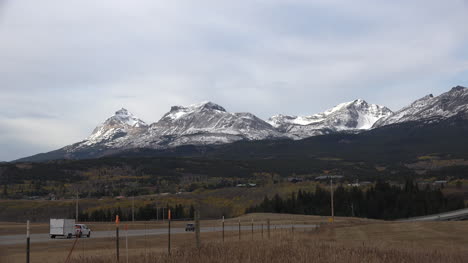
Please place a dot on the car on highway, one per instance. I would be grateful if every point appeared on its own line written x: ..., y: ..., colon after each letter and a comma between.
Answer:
x: 190, y: 227
x: 82, y: 230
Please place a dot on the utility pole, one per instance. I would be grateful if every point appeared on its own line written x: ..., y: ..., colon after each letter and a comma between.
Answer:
x: 332, y: 208
x: 76, y: 208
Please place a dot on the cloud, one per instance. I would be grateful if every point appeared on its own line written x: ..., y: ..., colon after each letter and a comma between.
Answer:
x: 66, y: 66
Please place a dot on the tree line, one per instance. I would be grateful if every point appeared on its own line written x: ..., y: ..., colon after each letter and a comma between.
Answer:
x: 382, y: 201
x: 144, y: 213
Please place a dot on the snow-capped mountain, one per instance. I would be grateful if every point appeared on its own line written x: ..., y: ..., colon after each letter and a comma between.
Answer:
x: 206, y: 123
x: 349, y: 116
x: 116, y: 131
x: 430, y: 108
x: 197, y: 124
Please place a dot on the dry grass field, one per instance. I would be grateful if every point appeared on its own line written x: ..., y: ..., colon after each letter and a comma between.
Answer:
x: 348, y: 240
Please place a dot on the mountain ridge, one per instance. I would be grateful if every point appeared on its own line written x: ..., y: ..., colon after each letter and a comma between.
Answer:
x: 445, y: 105
x: 208, y: 123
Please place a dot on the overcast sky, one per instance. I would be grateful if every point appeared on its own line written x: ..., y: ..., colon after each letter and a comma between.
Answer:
x: 65, y: 66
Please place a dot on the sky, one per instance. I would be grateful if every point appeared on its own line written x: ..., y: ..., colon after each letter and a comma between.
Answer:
x: 66, y: 66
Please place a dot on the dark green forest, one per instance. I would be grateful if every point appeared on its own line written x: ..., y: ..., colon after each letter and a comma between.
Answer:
x: 382, y: 201
x: 147, y: 212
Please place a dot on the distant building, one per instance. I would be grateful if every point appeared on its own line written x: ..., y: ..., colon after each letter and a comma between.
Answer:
x: 246, y: 185
x: 440, y: 183
x: 295, y: 180
x: 357, y: 184
x: 328, y: 177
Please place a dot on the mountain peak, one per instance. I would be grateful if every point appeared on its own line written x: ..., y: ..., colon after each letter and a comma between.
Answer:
x: 177, y: 112
x: 122, y: 111
x: 359, y: 101
x: 429, y: 107
x: 123, y: 116
x: 207, y: 105
x: 352, y: 115
x: 458, y: 88
x: 199, y: 106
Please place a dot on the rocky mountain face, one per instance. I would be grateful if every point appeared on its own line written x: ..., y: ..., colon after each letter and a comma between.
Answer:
x: 205, y: 123
x: 117, y: 131
x: 430, y: 108
x: 198, y: 124
x: 209, y: 124
x: 350, y: 116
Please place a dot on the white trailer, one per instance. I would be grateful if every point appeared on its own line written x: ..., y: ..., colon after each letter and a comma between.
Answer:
x: 62, y: 227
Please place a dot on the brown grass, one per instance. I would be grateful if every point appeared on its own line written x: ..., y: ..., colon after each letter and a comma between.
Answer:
x: 349, y: 240
x: 303, y: 247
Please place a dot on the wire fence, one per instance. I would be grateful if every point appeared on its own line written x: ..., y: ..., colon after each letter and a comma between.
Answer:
x: 137, y: 238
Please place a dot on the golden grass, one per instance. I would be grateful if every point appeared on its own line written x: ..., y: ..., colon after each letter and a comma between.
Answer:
x: 348, y: 240
x: 307, y: 246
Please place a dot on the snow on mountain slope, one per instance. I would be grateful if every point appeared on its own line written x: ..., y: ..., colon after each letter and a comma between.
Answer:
x: 206, y: 123
x: 354, y: 115
x: 429, y: 107
x: 121, y: 127
x: 209, y: 123
x: 203, y: 123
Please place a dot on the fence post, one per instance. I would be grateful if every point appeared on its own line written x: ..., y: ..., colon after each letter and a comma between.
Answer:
x: 126, y: 240
x: 223, y: 228
x: 292, y: 227
x: 239, y: 230
x: 28, y: 240
x: 268, y: 227
x: 197, y: 228
x: 168, y: 231
x: 117, y: 221
x: 262, y: 230
x: 252, y: 229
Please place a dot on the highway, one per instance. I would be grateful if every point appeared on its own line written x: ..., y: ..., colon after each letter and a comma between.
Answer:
x: 461, y: 214
x: 37, y: 238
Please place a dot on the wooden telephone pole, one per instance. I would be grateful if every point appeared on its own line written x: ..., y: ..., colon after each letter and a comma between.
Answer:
x: 133, y: 209
x: 197, y: 228
x: 76, y: 208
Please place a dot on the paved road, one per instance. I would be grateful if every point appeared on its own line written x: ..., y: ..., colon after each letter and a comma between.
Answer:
x: 461, y: 214
x: 37, y: 238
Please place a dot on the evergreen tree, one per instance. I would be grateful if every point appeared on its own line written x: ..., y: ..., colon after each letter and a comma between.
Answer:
x: 381, y: 201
